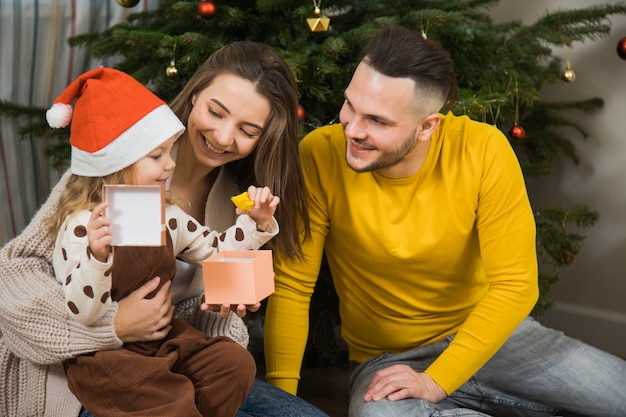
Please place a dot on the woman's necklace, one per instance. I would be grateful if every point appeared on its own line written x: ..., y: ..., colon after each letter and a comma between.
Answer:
x: 319, y: 23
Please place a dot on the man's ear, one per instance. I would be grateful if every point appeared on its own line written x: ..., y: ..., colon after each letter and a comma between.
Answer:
x: 427, y: 126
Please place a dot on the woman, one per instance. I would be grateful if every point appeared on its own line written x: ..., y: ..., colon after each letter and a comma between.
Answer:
x: 240, y: 107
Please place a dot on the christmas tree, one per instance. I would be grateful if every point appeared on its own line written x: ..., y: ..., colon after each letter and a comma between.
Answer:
x: 501, y: 69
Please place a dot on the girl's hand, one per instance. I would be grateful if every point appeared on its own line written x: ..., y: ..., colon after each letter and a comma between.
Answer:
x: 264, y: 206
x: 99, y: 233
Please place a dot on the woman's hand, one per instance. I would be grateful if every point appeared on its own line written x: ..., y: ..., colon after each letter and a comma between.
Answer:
x: 141, y: 320
x: 225, y: 309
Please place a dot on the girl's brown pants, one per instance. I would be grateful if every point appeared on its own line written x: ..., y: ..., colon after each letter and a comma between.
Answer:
x: 191, y: 374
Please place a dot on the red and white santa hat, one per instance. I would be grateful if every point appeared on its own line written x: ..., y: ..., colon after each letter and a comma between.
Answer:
x: 116, y: 121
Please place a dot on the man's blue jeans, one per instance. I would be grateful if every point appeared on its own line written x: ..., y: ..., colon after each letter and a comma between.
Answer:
x: 265, y: 400
x: 538, y: 372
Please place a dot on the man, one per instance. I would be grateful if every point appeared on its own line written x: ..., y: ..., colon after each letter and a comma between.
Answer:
x: 430, y: 239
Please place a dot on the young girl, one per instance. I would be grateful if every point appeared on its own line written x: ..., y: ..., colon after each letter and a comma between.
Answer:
x: 122, y: 134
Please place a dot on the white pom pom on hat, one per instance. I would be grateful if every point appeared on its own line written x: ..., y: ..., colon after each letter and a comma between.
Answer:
x: 115, y: 121
x: 59, y: 115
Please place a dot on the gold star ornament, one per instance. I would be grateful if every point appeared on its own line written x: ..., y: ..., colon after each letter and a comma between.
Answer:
x: 319, y: 23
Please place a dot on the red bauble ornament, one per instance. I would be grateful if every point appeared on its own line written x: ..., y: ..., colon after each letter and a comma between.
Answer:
x: 301, y: 112
x: 568, y: 256
x: 207, y: 9
x: 621, y: 48
x: 518, y: 132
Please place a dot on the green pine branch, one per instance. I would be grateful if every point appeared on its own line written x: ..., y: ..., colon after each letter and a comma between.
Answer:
x: 558, y: 245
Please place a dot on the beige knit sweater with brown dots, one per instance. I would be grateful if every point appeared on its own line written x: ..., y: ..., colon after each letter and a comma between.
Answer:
x: 37, y: 334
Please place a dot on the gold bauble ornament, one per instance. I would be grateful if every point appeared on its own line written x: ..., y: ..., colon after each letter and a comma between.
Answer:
x: 171, y: 71
x: 128, y: 3
x: 569, y: 75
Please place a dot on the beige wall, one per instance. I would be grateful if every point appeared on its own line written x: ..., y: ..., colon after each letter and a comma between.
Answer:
x: 591, y: 294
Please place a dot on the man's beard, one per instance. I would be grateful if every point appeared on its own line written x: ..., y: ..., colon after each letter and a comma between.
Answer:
x: 389, y: 158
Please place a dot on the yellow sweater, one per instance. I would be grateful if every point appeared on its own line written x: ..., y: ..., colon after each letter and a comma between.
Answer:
x: 449, y: 250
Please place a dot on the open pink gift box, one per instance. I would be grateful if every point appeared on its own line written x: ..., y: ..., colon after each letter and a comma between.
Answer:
x: 238, y: 277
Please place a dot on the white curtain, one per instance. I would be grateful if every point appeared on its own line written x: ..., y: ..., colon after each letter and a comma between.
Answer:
x: 36, y: 64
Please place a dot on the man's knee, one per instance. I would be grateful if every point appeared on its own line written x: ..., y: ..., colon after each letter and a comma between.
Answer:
x: 385, y: 408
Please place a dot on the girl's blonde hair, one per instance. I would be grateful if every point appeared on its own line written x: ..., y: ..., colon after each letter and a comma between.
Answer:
x: 85, y: 193
x: 81, y: 193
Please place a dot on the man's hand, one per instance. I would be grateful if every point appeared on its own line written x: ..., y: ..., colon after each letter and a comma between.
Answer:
x: 399, y: 382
